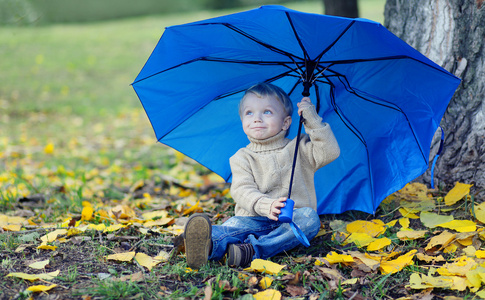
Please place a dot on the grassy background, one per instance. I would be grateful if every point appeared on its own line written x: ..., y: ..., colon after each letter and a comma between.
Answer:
x: 68, y: 85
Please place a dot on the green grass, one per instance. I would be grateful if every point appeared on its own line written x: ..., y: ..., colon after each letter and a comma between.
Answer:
x: 69, y: 85
x: 64, y: 81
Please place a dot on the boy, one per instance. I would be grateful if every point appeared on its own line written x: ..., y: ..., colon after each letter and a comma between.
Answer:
x: 260, y: 181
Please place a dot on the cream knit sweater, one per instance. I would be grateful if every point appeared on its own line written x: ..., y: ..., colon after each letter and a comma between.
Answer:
x: 261, y: 171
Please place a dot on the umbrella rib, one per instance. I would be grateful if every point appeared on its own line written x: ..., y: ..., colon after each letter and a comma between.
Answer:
x: 359, y: 135
x: 384, y: 104
x: 349, y: 61
x: 214, y: 59
x: 305, y: 53
x: 335, y: 41
x: 272, y: 48
x: 285, y: 74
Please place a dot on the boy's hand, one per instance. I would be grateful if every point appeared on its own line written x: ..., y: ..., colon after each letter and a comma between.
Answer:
x: 305, y: 102
x: 275, y: 209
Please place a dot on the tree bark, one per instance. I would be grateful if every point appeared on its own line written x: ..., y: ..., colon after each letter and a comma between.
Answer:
x: 342, y: 8
x: 452, y: 34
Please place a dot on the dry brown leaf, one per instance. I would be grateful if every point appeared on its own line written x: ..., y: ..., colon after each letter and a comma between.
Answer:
x: 296, y: 279
x: 135, y: 277
x: 253, y: 281
x: 208, y: 292
x: 296, y: 291
x: 330, y: 274
x: 364, y: 263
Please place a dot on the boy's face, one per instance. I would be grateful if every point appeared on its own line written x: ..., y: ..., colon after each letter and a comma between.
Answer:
x: 263, y: 117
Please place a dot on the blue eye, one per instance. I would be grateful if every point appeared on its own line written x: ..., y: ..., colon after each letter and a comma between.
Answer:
x: 249, y: 113
x: 268, y: 112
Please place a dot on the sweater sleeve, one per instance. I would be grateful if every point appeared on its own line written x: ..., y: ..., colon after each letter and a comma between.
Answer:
x: 320, y: 145
x: 244, y: 189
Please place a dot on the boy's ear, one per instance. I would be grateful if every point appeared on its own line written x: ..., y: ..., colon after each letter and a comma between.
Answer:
x: 286, y: 123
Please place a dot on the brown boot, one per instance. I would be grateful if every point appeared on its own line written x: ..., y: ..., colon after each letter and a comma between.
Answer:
x: 198, y: 240
x: 240, y: 255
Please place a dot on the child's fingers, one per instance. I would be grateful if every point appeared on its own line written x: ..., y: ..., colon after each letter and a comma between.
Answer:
x: 272, y: 217
x: 305, y: 102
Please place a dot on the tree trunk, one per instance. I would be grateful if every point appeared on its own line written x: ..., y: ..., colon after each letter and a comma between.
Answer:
x: 451, y: 33
x: 342, y: 8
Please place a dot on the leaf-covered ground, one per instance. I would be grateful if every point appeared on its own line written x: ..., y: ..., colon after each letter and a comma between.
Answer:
x: 91, y: 207
x: 122, y: 241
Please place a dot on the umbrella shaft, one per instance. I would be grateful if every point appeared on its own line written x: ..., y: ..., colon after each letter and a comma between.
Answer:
x: 295, y: 156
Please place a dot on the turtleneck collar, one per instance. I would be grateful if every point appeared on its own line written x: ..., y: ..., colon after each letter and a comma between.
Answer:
x: 277, y: 141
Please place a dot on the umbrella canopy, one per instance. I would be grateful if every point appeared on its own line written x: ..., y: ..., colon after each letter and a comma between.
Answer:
x: 383, y: 99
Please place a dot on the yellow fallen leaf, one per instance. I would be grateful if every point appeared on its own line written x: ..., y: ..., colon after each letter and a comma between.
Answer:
x: 404, y: 222
x: 359, y: 239
x: 451, y: 248
x: 73, y: 231
x: 114, y: 227
x: 391, y: 224
x: 155, y: 214
x: 396, y: 265
x: 334, y: 258
x: 350, y: 281
x: 124, y: 256
x: 47, y: 247
x: 442, y: 240
x: 49, y: 148
x: 158, y: 222
x: 268, y: 294
x: 425, y: 282
x: 480, y: 294
x: 5, y: 220
x: 414, y: 191
x: 87, y: 213
x: 162, y: 255
x: 408, y: 213
x: 34, y: 277
x: 12, y: 227
x: 52, y: 236
x: 466, y: 238
x: 39, y: 264
x: 41, y: 288
x: 379, y: 244
x: 97, y: 227
x: 431, y: 220
x: 265, y: 282
x: 146, y: 261
x: 460, y: 225
x: 457, y: 193
x: 266, y: 266
x: 459, y: 283
x: 416, y: 282
x: 122, y: 212
x: 480, y: 212
x: 480, y: 253
x: 460, y: 267
x: 373, y: 228
x: 474, y: 277
x: 429, y: 258
x: 193, y: 208
x: 411, y: 235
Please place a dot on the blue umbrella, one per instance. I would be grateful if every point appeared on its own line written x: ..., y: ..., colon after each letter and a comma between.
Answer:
x: 383, y: 99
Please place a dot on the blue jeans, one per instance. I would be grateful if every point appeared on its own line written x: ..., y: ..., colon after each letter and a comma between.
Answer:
x: 268, y: 237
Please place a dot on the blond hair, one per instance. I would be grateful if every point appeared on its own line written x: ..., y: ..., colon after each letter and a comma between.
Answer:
x: 264, y: 89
